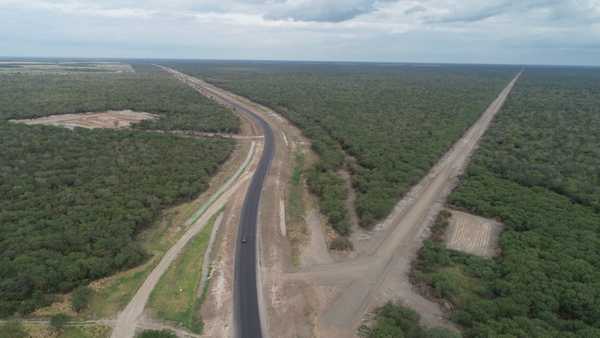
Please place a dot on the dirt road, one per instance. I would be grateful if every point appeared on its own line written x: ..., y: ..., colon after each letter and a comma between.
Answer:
x: 127, y: 320
x: 382, y: 273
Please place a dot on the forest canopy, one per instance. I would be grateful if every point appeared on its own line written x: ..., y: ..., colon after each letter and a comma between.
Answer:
x: 180, y: 107
x: 73, y: 201
x: 538, y: 171
x: 394, y: 120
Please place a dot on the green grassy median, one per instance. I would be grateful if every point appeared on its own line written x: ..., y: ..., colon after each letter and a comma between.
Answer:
x: 176, y: 297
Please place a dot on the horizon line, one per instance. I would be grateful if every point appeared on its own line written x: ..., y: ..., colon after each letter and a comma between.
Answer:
x: 99, y: 58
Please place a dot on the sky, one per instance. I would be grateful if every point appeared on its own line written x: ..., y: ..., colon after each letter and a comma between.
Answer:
x: 457, y: 31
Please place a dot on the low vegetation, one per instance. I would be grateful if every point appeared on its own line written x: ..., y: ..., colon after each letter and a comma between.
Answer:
x: 295, y: 203
x: 395, y: 321
x: 58, y: 322
x: 177, y: 298
x: 341, y: 243
x: 91, y: 331
x: 537, y: 172
x: 80, y: 299
x: 157, y: 334
x: 12, y: 329
x: 395, y: 120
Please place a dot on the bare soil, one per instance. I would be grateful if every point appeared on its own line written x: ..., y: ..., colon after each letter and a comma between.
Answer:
x: 65, y: 67
x: 473, y: 234
x: 110, y: 119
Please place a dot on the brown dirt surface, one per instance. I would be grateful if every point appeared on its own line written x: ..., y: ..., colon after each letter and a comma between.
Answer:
x: 110, y: 119
x: 64, y: 68
x: 473, y: 234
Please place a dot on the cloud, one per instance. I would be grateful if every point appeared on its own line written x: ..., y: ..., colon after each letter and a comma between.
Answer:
x: 522, y: 31
x: 322, y: 10
x: 415, y: 9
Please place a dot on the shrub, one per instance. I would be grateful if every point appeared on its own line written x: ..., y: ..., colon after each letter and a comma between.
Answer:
x: 81, y: 298
x: 341, y: 243
x: 399, y: 322
x: 59, y: 321
x: 157, y: 334
x: 12, y: 329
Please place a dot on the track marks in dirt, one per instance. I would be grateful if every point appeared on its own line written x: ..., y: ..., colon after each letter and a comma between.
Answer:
x: 473, y: 234
x: 109, y: 119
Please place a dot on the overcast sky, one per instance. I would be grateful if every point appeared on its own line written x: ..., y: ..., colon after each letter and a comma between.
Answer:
x: 473, y: 31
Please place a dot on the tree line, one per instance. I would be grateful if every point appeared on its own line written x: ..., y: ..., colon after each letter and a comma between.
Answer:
x: 537, y: 171
x: 395, y: 120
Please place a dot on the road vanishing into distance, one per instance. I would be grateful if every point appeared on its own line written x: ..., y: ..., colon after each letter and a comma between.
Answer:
x: 246, y: 304
x: 247, y: 310
x: 387, y: 267
x: 245, y: 296
x: 364, y: 277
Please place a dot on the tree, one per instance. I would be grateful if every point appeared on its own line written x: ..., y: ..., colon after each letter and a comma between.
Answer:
x: 81, y: 298
x: 157, y: 334
x: 59, y: 321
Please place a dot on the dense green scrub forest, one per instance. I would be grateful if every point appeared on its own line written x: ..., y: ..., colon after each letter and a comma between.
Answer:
x: 73, y: 201
x: 395, y: 321
x: 538, y: 171
x: 25, y: 95
x: 394, y: 120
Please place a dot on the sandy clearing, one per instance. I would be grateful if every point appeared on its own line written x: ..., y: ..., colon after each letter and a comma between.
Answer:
x: 316, y: 251
x: 65, y: 68
x: 282, y: 226
x: 114, y: 119
x: 473, y: 234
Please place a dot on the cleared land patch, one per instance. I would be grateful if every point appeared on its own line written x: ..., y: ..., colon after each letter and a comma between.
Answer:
x: 111, y: 119
x: 473, y: 234
x: 63, y: 67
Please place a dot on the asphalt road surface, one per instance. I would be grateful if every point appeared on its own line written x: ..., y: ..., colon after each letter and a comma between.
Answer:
x: 246, y: 307
x: 245, y: 297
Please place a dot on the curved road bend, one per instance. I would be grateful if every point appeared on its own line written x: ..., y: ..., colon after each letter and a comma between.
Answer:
x: 246, y: 307
x: 245, y: 294
x: 247, y: 311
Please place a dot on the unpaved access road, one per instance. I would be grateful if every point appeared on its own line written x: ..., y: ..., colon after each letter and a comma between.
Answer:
x: 129, y: 319
x: 382, y: 274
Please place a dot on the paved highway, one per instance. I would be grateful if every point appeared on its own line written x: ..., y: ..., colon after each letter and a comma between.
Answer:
x: 246, y: 307
x: 245, y: 296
